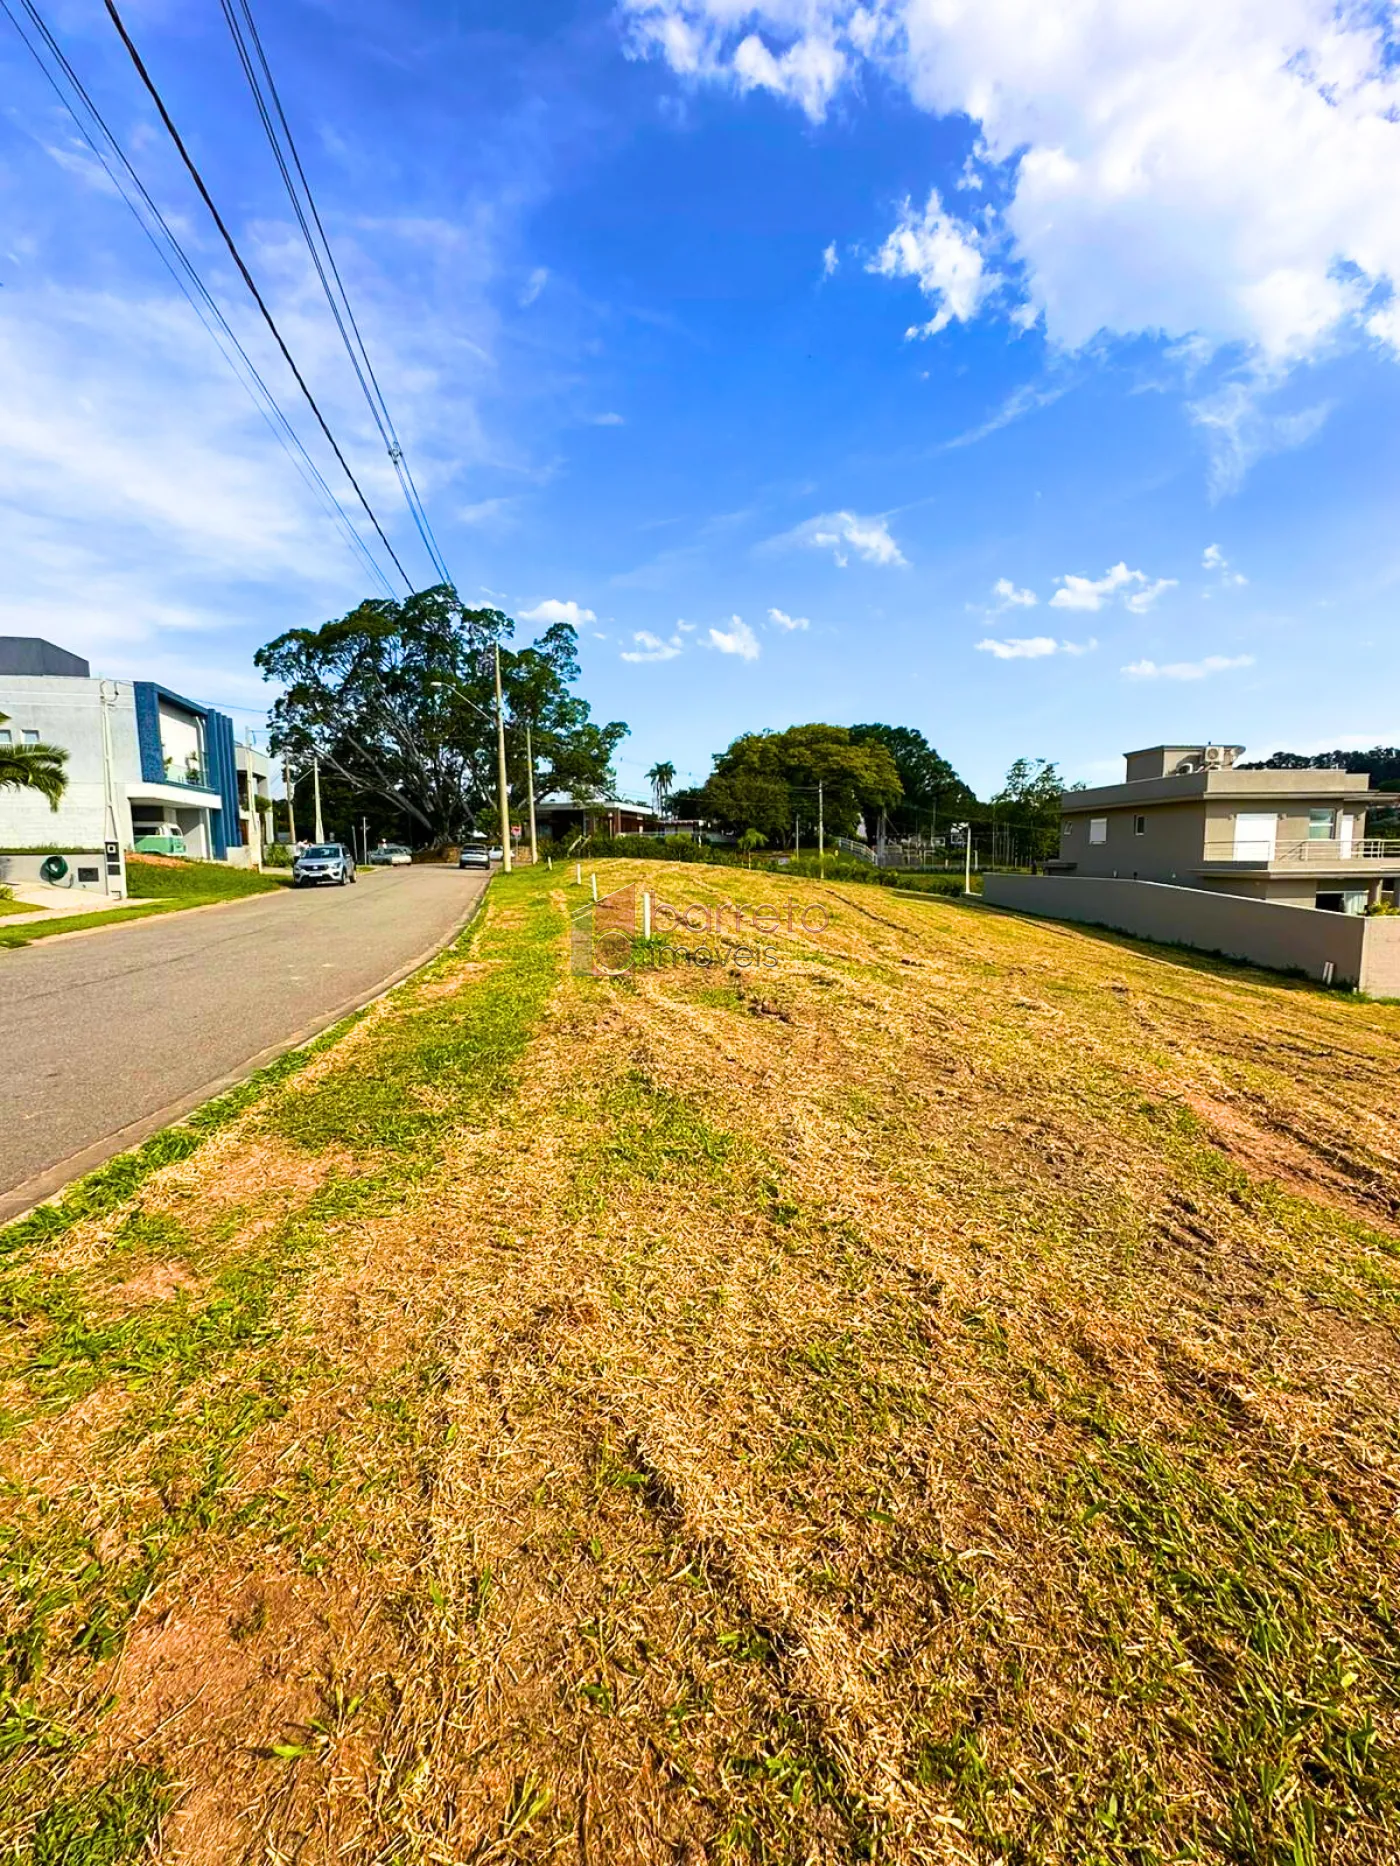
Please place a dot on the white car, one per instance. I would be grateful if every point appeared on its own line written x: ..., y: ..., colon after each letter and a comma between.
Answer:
x: 323, y: 861
x: 390, y: 855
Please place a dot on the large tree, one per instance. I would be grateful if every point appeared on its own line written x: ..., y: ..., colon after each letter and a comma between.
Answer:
x: 1029, y: 806
x: 33, y: 767
x: 934, y: 794
x: 769, y: 780
x: 397, y: 701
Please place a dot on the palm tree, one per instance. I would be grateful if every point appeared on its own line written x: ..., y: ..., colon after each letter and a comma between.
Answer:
x: 661, y: 777
x: 33, y: 767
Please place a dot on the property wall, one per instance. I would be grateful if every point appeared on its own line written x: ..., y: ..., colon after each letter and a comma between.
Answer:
x: 1380, y: 959
x: 1265, y: 932
x: 24, y: 869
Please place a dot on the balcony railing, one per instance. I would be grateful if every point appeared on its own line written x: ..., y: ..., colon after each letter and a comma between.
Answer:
x: 1324, y: 849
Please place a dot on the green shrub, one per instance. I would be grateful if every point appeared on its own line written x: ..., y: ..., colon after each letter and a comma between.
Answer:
x: 276, y: 855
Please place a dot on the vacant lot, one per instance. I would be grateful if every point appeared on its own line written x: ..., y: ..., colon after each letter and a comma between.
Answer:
x: 929, y: 1398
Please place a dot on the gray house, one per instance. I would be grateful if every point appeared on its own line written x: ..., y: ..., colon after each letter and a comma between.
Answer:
x: 142, y: 761
x: 1186, y: 814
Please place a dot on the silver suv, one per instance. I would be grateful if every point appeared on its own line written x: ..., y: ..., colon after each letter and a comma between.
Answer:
x: 323, y: 861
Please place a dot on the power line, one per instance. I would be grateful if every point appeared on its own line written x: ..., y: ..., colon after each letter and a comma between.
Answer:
x: 331, y: 282
x: 248, y: 279
x: 184, y: 273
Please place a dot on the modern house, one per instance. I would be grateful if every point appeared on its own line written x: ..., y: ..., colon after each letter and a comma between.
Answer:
x: 564, y: 817
x: 1189, y: 816
x: 143, y: 762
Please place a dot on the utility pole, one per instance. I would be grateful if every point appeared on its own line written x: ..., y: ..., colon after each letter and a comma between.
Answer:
x: 821, y: 829
x: 289, y: 785
x: 501, y: 767
x: 530, y: 782
x: 254, y: 820
x: 967, y: 863
x: 364, y: 838
x: 797, y: 833
x: 316, y: 783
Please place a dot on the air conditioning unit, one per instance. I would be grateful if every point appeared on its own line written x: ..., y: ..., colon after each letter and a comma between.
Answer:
x: 1214, y: 756
x: 1186, y: 767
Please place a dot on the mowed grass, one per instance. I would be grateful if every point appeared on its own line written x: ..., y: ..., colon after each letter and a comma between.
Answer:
x: 928, y: 1397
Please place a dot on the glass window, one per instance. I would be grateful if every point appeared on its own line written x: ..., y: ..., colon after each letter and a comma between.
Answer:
x: 1139, y: 825
x: 1098, y: 829
x: 6, y: 736
x: 30, y: 737
x: 1321, y: 825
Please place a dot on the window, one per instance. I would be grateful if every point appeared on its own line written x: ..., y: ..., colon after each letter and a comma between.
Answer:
x: 1098, y: 829
x: 6, y: 737
x: 1321, y: 825
x: 30, y: 737
x: 1139, y: 825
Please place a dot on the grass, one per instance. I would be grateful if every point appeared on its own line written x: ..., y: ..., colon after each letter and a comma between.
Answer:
x: 10, y: 906
x: 929, y: 1400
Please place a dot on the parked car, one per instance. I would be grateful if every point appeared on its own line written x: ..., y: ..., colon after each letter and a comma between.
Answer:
x: 390, y: 855
x: 474, y: 855
x: 323, y: 861
x: 497, y: 855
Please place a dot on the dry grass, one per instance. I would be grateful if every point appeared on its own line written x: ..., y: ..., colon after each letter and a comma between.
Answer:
x: 930, y: 1400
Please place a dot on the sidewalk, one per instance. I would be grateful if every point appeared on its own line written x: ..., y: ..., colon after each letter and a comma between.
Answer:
x: 59, y: 902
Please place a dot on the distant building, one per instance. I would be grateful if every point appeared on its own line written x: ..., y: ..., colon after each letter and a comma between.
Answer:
x: 1187, y: 814
x: 163, y: 765
x: 563, y: 817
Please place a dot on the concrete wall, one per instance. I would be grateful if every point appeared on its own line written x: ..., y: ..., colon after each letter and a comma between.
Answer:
x: 1265, y: 932
x: 24, y: 869
x: 1380, y: 961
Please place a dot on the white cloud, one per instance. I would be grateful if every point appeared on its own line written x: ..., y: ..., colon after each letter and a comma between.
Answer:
x: 1239, y: 430
x: 1213, y: 558
x: 1138, y: 591
x: 609, y: 421
x: 651, y: 647
x: 945, y: 256
x: 1142, y: 600
x: 841, y: 533
x: 1009, y: 597
x: 1033, y: 647
x: 830, y: 260
x: 780, y: 620
x: 552, y: 610
x: 738, y: 639
x: 534, y: 285
x: 1188, y: 670
x: 1223, y: 169
x: 484, y: 512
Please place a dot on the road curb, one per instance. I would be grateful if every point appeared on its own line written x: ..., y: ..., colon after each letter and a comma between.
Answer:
x: 44, y: 1187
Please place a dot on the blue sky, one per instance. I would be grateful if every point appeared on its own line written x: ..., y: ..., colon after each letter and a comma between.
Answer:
x: 639, y: 283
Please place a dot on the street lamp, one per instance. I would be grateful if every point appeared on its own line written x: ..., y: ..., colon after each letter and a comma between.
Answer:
x: 500, y: 751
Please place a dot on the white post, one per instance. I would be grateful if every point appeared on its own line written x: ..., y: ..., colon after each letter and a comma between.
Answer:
x: 109, y: 802
x: 578, y: 874
x: 594, y: 880
x: 967, y: 868
x: 646, y: 913
x: 501, y: 769
x: 821, y: 829
x: 316, y: 784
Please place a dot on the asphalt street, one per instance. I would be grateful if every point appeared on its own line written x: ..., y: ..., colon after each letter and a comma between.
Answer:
x: 107, y: 1036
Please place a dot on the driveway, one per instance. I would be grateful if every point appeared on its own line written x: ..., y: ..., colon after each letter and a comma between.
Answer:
x: 107, y: 1036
